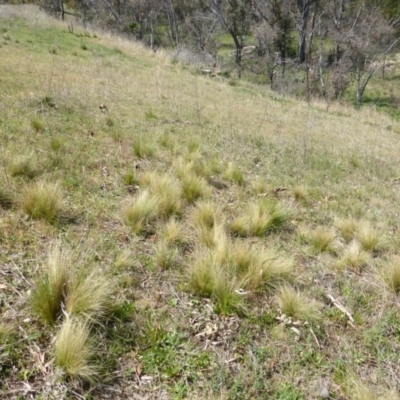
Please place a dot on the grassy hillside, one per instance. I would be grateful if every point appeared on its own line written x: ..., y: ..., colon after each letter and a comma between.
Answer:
x: 166, y: 235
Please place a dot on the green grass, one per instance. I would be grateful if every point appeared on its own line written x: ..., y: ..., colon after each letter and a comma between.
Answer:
x: 190, y: 207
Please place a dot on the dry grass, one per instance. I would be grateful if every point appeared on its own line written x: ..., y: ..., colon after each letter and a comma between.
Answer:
x: 174, y: 233
x: 166, y: 256
x: 50, y: 291
x: 300, y: 192
x: 347, y: 227
x: 354, y: 257
x: 194, y: 188
x: 24, y: 165
x: 390, y: 274
x: 42, y: 200
x: 257, y: 268
x: 323, y: 239
x: 74, y: 350
x: 296, y: 305
x: 66, y: 285
x: 369, y: 238
x: 167, y: 190
x: 261, y: 217
x: 140, y: 212
x: 233, y: 174
x: 88, y: 294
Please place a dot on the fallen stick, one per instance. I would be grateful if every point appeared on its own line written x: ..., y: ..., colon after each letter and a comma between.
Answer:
x: 342, y: 309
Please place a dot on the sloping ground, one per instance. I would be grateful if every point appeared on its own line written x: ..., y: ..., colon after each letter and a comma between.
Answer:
x: 107, y: 120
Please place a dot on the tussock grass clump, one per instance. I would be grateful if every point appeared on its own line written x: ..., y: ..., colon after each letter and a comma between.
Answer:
x: 49, y: 292
x: 140, y: 212
x: 257, y: 268
x: 220, y: 271
x: 354, y: 257
x: 194, y: 187
x: 166, y: 256
x: 88, y: 293
x: 24, y: 165
x: 56, y: 144
x: 323, y: 239
x: 369, y: 238
x: 130, y: 178
x: 205, y: 214
x: 65, y: 284
x: 143, y: 148
x: 38, y: 125
x: 261, y: 217
x: 296, y: 305
x: 167, y: 190
x: 347, y: 228
x: 300, y: 193
x: 210, y: 277
x: 124, y: 260
x: 233, y: 174
x: 42, y: 200
x: 259, y: 185
x: 390, y: 274
x: 173, y: 233
x: 74, y: 350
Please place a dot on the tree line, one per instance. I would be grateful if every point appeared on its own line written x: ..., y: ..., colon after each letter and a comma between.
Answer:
x: 326, y: 44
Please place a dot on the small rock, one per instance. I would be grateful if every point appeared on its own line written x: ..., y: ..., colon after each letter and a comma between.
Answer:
x: 324, y: 392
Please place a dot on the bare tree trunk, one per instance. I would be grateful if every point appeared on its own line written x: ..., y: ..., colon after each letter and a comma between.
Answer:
x: 304, y: 9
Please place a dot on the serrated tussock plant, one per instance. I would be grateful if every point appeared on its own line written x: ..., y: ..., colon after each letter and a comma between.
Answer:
x: 174, y: 233
x: 347, y: 227
x: 141, y: 211
x: 369, y: 238
x: 66, y: 285
x: 234, y: 174
x: 354, y: 257
x: 323, y: 239
x: 24, y: 165
x: 390, y: 274
x: 296, y: 305
x: 74, y: 350
x: 167, y: 190
x: 42, y: 200
x: 166, y: 256
x: 259, y: 219
x: 194, y: 188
